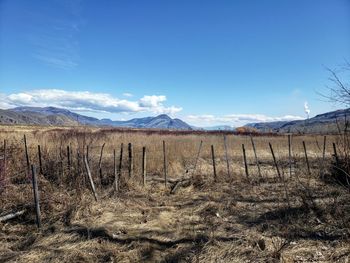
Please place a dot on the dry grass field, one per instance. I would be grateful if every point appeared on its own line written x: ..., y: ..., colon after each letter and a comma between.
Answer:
x: 297, y: 217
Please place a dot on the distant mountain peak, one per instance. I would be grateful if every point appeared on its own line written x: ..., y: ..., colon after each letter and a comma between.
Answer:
x: 163, y: 116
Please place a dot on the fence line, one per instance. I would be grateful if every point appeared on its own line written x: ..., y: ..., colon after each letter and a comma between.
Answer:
x: 117, y: 168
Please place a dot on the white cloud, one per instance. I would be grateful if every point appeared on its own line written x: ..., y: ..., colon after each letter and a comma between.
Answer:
x: 155, y: 103
x: 86, y: 101
x: 152, y: 101
x: 236, y: 120
x: 4, y: 102
x: 127, y: 94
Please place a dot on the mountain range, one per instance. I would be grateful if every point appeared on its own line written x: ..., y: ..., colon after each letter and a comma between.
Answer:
x: 62, y: 117
x: 328, y: 122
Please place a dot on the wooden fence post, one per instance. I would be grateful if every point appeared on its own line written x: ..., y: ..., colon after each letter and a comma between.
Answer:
x: 275, y: 162
x: 255, y: 155
x: 323, y: 155
x: 290, y: 154
x: 27, y: 155
x: 226, y: 154
x: 61, y: 165
x: 69, y: 163
x: 71, y: 154
x: 335, y: 155
x: 100, y: 165
x: 164, y: 165
x: 5, y: 159
x: 79, y: 168
x: 87, y: 153
x: 115, y: 172
x: 120, y: 161
x: 245, y: 162
x: 40, y: 161
x: 36, y: 196
x: 197, y: 157
x: 213, y: 159
x: 90, y: 178
x: 144, y: 163
x: 130, y: 168
x: 306, y: 159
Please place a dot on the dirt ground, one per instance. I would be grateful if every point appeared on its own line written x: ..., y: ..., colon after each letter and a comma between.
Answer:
x: 246, y: 220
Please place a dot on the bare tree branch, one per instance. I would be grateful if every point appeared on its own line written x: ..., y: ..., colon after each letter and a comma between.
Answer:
x: 339, y: 91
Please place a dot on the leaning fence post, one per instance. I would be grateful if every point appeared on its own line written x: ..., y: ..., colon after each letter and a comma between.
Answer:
x: 164, y: 164
x: 290, y: 154
x: 255, y: 155
x: 27, y: 155
x: 245, y: 161
x: 130, y: 160
x: 323, y: 155
x: 87, y: 153
x: 197, y: 157
x: 90, y: 177
x: 100, y: 164
x: 213, y: 159
x: 306, y: 159
x: 40, y: 161
x: 226, y: 155
x: 275, y: 162
x: 144, y: 162
x: 36, y: 196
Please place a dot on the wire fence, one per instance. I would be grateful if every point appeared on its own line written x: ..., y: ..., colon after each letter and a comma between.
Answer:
x: 97, y: 166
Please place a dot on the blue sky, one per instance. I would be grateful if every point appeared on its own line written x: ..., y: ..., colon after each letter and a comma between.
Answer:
x: 206, y: 62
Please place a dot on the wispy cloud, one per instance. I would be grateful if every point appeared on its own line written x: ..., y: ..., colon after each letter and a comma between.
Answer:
x: 87, y: 101
x: 56, y: 61
x: 235, y: 120
x: 55, y: 38
x: 127, y: 94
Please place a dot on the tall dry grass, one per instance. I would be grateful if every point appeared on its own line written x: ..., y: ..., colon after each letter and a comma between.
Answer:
x: 236, y: 218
